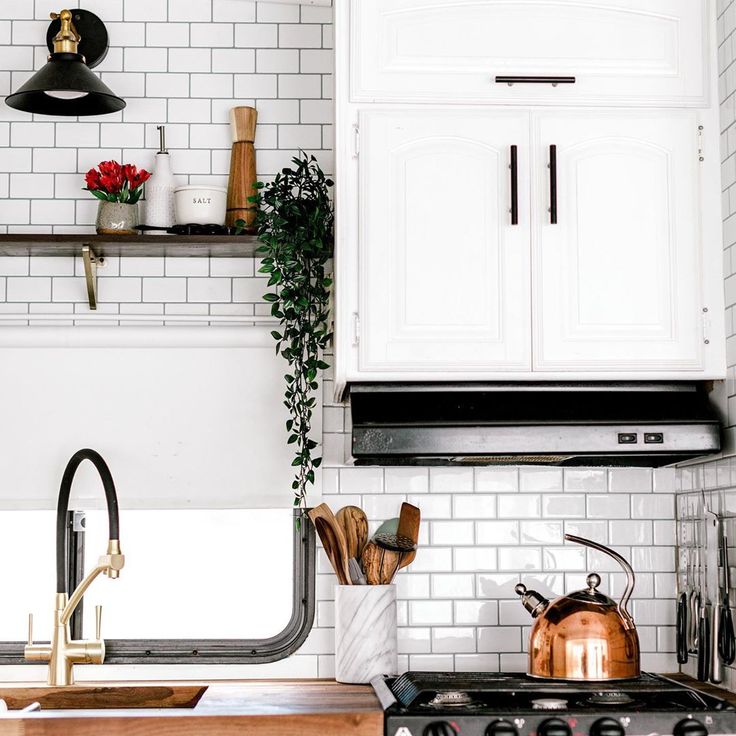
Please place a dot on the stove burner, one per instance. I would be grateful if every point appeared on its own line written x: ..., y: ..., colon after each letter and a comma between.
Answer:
x: 549, y: 704
x: 613, y: 698
x: 451, y: 699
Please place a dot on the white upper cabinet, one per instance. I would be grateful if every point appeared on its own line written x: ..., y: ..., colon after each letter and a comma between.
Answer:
x: 653, y: 53
x: 435, y: 279
x: 618, y: 279
x: 444, y: 271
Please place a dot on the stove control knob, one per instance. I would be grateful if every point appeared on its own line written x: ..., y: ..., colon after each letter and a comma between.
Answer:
x: 554, y: 727
x: 607, y: 727
x: 502, y: 728
x: 440, y: 728
x: 690, y: 727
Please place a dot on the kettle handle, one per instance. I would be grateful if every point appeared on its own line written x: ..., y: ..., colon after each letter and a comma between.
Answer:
x: 630, y: 577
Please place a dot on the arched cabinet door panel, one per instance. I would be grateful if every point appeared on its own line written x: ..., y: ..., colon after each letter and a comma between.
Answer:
x: 617, y: 281
x: 444, y: 271
x: 651, y: 53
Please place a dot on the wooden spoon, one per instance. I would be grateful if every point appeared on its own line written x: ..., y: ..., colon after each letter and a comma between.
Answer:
x: 409, y: 520
x: 333, y: 540
x: 354, y: 524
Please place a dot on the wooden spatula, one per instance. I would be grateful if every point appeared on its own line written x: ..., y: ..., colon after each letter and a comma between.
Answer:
x: 354, y: 524
x: 409, y: 520
x: 333, y: 540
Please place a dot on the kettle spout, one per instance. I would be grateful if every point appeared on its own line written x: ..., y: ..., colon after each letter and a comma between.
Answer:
x: 534, y: 602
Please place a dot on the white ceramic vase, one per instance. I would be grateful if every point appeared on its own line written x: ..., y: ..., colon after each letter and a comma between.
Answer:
x: 365, y: 632
x: 159, y: 205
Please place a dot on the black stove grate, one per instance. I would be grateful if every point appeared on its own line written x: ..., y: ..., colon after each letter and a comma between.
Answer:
x: 512, y: 692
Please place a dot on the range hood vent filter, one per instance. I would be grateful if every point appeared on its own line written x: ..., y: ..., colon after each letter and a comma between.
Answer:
x: 576, y: 424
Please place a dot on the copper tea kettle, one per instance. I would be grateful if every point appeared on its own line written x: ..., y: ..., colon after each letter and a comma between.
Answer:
x: 584, y: 635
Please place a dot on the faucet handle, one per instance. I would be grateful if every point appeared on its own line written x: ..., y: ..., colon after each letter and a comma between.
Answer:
x: 30, y: 629
x: 98, y: 622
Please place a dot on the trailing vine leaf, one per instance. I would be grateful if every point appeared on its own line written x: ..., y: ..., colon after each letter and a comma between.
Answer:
x: 295, y: 226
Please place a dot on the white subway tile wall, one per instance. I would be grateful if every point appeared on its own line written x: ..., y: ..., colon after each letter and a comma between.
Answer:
x: 483, y: 529
x: 175, y: 65
x: 727, y: 97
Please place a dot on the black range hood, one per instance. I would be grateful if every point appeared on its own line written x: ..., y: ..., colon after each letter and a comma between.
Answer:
x: 607, y: 424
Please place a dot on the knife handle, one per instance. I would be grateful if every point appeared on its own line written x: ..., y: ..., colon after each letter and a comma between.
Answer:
x: 682, y: 628
x: 694, y: 609
x: 716, y: 667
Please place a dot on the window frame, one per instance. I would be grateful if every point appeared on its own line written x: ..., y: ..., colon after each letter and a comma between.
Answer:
x: 199, y: 651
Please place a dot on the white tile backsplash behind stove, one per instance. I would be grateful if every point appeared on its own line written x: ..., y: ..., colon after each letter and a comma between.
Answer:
x: 483, y: 529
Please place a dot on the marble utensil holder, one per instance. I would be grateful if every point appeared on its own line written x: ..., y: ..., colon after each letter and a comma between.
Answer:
x: 365, y: 632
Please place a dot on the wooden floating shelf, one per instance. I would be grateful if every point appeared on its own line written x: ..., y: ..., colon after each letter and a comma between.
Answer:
x: 180, y: 246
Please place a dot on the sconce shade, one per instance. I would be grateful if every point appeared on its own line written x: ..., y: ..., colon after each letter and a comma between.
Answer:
x: 65, y: 85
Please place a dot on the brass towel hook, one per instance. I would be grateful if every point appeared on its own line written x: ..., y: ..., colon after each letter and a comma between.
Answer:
x: 91, y: 261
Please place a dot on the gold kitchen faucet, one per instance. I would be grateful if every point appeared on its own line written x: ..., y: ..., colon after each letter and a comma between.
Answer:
x: 63, y: 652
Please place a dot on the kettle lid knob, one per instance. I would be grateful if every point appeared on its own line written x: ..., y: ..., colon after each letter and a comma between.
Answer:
x: 520, y: 589
x: 593, y: 580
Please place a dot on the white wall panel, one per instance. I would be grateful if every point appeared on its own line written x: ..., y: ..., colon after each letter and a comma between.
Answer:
x: 185, y: 417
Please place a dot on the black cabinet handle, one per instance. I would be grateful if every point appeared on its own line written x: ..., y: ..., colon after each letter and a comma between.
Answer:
x: 553, y: 185
x: 514, y: 186
x: 554, y: 81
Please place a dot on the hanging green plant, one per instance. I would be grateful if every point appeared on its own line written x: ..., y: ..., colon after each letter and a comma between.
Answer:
x: 295, y: 226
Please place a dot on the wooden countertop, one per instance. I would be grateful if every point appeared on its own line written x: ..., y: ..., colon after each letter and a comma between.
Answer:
x: 252, y: 707
x: 256, y: 708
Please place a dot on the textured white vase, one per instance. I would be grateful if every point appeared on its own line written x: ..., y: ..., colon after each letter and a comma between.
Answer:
x: 160, y: 195
x: 365, y: 632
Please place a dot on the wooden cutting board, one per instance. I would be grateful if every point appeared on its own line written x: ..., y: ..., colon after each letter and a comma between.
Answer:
x: 103, y: 697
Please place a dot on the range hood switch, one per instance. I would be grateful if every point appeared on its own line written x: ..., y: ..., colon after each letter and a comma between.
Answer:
x: 627, y: 438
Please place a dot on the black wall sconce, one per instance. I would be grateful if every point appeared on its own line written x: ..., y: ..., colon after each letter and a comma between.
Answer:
x: 78, y: 42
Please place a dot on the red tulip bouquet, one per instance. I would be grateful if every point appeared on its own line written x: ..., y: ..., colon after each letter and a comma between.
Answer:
x: 118, y: 187
x: 114, y: 182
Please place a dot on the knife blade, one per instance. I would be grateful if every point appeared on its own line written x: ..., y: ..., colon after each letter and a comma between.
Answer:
x: 704, y: 652
x: 712, y: 548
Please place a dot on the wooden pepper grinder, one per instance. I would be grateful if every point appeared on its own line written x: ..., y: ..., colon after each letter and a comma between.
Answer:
x: 242, y: 168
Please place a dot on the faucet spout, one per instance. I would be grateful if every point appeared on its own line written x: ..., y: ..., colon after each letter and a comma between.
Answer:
x: 63, y: 652
x: 62, y: 509
x: 534, y: 602
x: 110, y: 564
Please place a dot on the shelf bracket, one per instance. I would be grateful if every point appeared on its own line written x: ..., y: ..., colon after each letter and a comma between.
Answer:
x: 91, y: 261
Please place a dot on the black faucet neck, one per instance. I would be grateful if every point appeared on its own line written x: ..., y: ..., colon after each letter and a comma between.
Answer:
x: 63, y: 507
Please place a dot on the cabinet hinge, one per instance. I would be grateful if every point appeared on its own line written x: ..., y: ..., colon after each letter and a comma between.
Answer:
x: 356, y: 141
x: 356, y: 328
x: 705, y: 317
x: 701, y: 149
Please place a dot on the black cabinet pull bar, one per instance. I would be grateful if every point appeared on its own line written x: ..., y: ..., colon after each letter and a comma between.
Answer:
x: 554, y: 81
x: 514, y: 186
x: 553, y: 184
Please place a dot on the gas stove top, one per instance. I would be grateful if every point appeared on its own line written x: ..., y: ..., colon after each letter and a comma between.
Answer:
x: 490, y: 704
